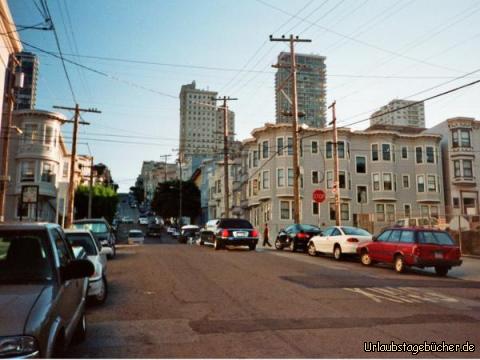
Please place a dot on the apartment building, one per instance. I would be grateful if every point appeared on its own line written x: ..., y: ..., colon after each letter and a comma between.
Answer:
x: 461, y: 165
x: 311, y: 89
x: 410, y: 116
x: 25, y: 97
x: 38, y: 158
x: 384, y: 175
x: 155, y: 172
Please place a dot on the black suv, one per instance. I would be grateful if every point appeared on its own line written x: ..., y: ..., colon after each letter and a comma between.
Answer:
x: 236, y: 232
x: 101, y: 230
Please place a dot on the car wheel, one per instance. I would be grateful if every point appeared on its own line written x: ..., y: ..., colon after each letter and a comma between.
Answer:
x: 81, y: 331
x: 441, y: 270
x: 399, y: 264
x: 337, y: 252
x: 252, y: 246
x: 294, y: 245
x: 365, y: 258
x: 278, y: 244
x: 102, y: 296
x: 216, y: 244
x: 311, y: 249
x: 201, y: 241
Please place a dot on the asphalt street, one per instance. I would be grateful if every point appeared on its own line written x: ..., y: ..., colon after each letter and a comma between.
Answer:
x: 175, y: 300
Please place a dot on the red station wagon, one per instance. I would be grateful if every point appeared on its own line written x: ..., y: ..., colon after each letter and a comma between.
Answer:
x: 412, y: 247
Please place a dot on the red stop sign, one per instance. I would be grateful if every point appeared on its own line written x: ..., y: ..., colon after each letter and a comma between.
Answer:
x: 319, y: 196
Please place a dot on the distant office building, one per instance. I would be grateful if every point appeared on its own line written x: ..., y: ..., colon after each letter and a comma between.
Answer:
x: 411, y: 116
x: 25, y: 97
x: 311, y: 89
x: 198, y: 120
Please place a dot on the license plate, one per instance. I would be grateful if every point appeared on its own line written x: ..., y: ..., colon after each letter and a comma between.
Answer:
x: 240, y: 233
x: 438, y: 255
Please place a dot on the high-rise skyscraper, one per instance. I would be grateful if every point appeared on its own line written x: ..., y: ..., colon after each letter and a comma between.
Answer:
x: 311, y: 89
x: 413, y: 115
x: 201, y: 125
x: 25, y: 97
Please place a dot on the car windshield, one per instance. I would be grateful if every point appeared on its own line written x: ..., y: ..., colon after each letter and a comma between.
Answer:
x: 349, y: 230
x: 135, y: 234
x: 85, y: 241
x: 24, y: 257
x: 435, y: 237
x: 94, y: 227
x: 309, y: 228
x: 235, y: 224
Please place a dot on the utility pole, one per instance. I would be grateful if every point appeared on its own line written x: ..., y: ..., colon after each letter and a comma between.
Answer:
x: 336, y: 177
x: 90, y: 190
x: 13, y: 63
x: 225, y: 153
x: 293, y: 75
x: 180, y: 192
x: 71, y: 187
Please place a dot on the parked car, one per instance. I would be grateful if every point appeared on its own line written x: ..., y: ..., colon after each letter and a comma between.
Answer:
x: 154, y: 229
x: 189, y: 233
x: 42, y: 291
x: 412, y: 246
x: 236, y: 232
x: 338, y: 240
x: 143, y: 220
x: 127, y: 220
x: 170, y: 230
x: 97, y: 283
x: 135, y: 236
x: 296, y: 236
x: 101, y: 230
x: 420, y: 221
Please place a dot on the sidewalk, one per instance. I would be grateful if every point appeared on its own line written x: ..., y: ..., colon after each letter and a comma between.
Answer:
x: 469, y: 270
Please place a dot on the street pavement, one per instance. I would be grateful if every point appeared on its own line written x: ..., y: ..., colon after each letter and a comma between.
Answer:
x: 176, y: 300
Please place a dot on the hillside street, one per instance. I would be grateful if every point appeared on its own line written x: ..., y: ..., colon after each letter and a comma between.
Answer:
x: 174, y: 300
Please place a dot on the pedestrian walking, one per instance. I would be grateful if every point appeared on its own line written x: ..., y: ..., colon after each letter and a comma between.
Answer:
x: 265, y: 236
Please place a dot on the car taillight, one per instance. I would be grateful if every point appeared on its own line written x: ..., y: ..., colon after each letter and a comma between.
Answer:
x: 303, y: 236
x: 224, y: 233
x: 254, y: 233
x: 457, y: 253
x: 352, y: 240
x: 417, y: 251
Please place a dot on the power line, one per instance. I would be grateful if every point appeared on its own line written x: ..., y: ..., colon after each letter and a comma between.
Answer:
x: 57, y: 41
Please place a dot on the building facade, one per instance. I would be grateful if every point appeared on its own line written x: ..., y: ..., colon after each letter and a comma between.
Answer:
x: 311, y: 89
x: 38, y: 158
x: 153, y: 173
x: 384, y: 176
x: 461, y: 165
x: 25, y: 97
x: 411, y: 116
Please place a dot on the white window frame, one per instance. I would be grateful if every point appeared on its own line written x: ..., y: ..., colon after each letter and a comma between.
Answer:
x: 356, y: 194
x: 290, y: 210
x: 379, y: 182
x: 268, y: 149
x: 423, y: 154
x: 391, y: 152
x: 326, y: 151
x: 277, y: 178
x: 391, y: 181
x: 436, y: 183
x: 424, y: 184
x: 282, y: 153
x: 366, y: 168
x: 409, y: 183
x: 311, y: 147
x: 378, y: 152
x: 401, y: 152
x: 434, y: 154
x: 318, y: 177
x: 288, y: 177
x: 263, y: 180
x: 410, y: 210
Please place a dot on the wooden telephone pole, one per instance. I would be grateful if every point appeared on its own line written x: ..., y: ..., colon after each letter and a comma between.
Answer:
x: 336, y: 176
x: 293, y: 75
x: 10, y: 95
x: 225, y: 153
x: 71, y: 185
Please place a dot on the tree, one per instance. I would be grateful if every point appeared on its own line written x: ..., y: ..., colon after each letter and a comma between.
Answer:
x: 138, y: 191
x: 166, y: 199
x: 104, y: 202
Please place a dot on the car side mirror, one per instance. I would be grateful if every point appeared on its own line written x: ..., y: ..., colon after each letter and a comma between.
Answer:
x: 77, y: 269
x: 374, y: 238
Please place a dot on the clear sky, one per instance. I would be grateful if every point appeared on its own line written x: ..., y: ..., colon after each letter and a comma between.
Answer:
x: 376, y: 50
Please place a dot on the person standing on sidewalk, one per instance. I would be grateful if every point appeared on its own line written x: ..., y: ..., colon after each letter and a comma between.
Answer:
x: 265, y: 236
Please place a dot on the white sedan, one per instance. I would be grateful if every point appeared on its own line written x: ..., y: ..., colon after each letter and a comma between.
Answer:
x: 338, y: 240
x: 97, y: 283
x: 135, y: 236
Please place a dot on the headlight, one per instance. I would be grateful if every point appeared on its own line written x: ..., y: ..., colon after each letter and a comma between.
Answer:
x: 17, y: 346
